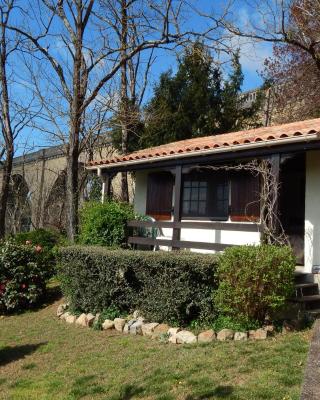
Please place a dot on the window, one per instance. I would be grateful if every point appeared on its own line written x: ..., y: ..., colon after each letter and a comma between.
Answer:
x: 205, y: 195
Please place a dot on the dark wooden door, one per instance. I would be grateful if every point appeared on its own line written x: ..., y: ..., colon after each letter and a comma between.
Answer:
x: 292, y: 201
x: 245, y: 197
x: 159, y: 195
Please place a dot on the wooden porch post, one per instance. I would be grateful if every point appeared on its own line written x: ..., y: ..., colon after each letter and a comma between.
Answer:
x: 275, y: 170
x: 177, y: 204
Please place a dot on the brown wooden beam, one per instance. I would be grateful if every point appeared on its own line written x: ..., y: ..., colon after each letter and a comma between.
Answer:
x: 178, y: 244
x: 275, y: 161
x: 223, y: 226
x: 177, y: 203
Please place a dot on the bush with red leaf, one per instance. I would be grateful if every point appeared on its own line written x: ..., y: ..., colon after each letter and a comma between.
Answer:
x: 23, y: 276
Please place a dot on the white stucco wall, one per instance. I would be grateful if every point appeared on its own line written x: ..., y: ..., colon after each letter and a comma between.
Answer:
x: 140, y: 195
x: 312, y: 211
x: 194, y: 235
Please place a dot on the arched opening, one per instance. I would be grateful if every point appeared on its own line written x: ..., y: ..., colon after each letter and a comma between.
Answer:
x: 55, y: 205
x: 19, y: 208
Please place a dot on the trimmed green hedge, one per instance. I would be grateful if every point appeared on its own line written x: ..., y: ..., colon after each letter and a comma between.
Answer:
x: 173, y: 287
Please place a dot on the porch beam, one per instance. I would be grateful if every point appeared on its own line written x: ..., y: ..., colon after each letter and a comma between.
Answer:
x: 275, y: 161
x: 221, y: 226
x: 177, y: 204
x: 178, y: 244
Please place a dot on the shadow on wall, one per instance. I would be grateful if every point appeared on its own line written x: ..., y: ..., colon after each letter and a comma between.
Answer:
x: 10, y: 354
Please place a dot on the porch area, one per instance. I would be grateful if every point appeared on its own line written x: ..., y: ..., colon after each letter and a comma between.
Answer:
x: 190, y: 197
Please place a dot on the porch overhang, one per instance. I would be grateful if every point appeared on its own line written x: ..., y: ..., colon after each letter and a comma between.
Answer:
x: 254, y: 143
x: 227, y: 153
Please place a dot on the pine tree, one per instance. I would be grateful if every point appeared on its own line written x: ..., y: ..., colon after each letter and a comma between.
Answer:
x: 197, y: 101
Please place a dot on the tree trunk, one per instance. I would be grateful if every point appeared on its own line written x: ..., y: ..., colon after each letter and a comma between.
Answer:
x: 6, y: 130
x: 124, y: 97
x: 76, y: 114
x: 7, y: 169
x: 72, y: 189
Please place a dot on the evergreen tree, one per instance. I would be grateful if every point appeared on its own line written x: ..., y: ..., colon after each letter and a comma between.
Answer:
x: 196, y: 101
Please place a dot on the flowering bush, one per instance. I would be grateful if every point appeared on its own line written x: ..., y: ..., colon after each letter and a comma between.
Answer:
x: 23, y: 275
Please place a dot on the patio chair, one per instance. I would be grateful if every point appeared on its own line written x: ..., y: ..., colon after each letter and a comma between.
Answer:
x: 154, y: 233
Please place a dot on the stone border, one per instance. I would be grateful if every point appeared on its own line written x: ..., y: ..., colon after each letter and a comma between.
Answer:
x: 311, y: 383
x: 137, y: 325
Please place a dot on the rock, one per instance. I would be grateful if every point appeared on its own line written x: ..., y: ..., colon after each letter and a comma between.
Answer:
x: 90, y: 319
x: 260, y: 334
x: 251, y: 334
x: 225, y: 334
x: 160, y: 329
x: 71, y: 319
x: 186, y: 337
x: 82, y: 320
x: 108, y: 324
x: 147, y: 329
x: 173, y: 331
x: 128, y: 325
x: 136, y: 328
x: 173, y: 339
x: 270, y: 329
x: 119, y: 324
x: 61, y: 310
x: 241, y: 336
x: 65, y: 315
x: 206, y: 336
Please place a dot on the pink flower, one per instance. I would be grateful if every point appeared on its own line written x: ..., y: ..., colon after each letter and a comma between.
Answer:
x: 28, y: 242
x: 38, y: 248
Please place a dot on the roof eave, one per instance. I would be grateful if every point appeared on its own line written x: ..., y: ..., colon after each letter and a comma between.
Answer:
x: 226, y: 149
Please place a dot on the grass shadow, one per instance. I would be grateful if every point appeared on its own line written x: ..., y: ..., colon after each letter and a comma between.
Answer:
x: 10, y: 354
x: 220, y: 392
x: 128, y: 391
x: 86, y: 385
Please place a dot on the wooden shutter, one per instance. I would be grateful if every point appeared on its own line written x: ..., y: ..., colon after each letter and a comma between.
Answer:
x: 245, y: 204
x: 159, y: 195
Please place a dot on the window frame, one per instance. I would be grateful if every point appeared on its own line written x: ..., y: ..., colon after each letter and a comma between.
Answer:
x: 213, y: 176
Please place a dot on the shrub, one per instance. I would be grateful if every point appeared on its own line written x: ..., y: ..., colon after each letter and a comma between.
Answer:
x: 23, y: 276
x: 175, y: 287
x: 105, y: 224
x: 254, y: 281
x: 46, y: 238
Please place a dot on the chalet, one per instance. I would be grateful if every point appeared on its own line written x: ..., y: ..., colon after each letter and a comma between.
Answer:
x: 198, y: 204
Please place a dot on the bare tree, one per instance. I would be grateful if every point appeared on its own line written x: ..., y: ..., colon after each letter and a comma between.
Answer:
x: 89, y: 58
x: 14, y: 116
x: 292, y: 22
x: 134, y: 76
x: 294, y: 84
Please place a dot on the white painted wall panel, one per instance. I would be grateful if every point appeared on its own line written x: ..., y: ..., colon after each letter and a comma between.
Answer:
x: 312, y: 213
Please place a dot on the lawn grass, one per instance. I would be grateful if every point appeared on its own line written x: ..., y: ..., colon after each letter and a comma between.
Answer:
x: 44, y: 358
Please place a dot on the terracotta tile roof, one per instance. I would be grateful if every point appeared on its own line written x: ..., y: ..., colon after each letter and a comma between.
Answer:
x: 232, y: 140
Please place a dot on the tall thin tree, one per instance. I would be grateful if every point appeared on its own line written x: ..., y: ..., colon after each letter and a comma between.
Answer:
x: 95, y: 56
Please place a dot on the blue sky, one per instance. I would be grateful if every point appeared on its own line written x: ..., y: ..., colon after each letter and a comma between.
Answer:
x: 251, y: 58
